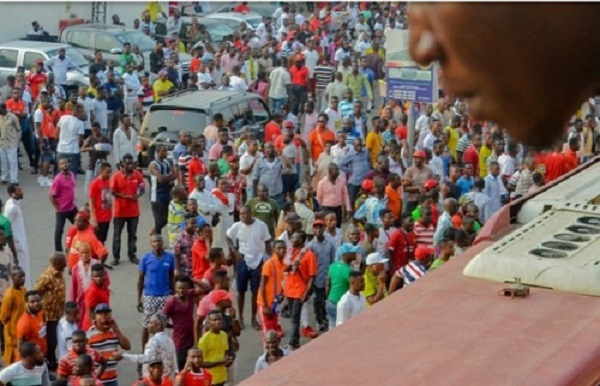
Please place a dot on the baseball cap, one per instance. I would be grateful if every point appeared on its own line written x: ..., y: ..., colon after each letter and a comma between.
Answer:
x: 220, y: 295
x: 430, y: 184
x: 289, y: 124
x: 293, y: 217
x: 375, y: 258
x: 154, y: 360
x: 419, y: 154
x: 233, y: 158
x: 367, y: 185
x: 39, y: 61
x: 102, y: 307
x: 422, y: 252
x: 318, y: 222
x: 348, y: 248
x: 200, y: 221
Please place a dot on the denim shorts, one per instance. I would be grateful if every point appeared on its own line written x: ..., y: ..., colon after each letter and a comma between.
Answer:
x: 244, y: 274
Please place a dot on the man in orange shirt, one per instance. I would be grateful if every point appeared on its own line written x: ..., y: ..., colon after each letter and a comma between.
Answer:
x: 273, y: 128
x: 85, y: 234
x: 301, y: 267
x: 32, y: 324
x: 270, y: 294
x: 299, y: 90
x: 393, y: 192
x: 319, y: 137
x: 571, y: 158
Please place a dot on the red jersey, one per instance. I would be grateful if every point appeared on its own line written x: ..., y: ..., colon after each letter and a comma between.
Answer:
x: 241, y: 8
x: 402, y: 247
x: 36, y: 82
x: 15, y: 107
x: 195, y: 166
x: 200, y: 262
x: 100, y: 194
x: 471, y: 156
x: 299, y: 76
x: 127, y: 185
x: 555, y: 166
x: 571, y: 160
x: 93, y: 296
x: 190, y: 378
x: 272, y: 131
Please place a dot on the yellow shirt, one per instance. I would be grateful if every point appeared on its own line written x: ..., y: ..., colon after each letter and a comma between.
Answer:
x: 371, y: 285
x: 484, y: 153
x: 453, y: 137
x: 213, y: 347
x: 93, y: 91
x: 374, y: 142
x: 159, y: 86
x: 154, y: 9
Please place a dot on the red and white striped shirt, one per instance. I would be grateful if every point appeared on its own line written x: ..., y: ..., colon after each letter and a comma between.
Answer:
x: 424, y: 235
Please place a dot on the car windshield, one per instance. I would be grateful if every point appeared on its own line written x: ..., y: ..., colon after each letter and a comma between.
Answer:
x: 136, y: 38
x: 218, y: 31
x: 72, y: 53
x: 231, y: 23
x: 177, y: 120
x: 253, y: 22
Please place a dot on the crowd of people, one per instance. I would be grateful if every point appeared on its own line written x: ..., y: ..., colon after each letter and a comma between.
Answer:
x: 332, y: 206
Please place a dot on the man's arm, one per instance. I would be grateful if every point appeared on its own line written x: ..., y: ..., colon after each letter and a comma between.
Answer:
x: 123, y: 341
x: 140, y: 289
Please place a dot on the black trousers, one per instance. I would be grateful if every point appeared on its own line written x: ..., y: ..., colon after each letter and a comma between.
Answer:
x: 295, y: 310
x: 102, y: 231
x: 182, y: 356
x: 319, y: 305
x: 338, y: 213
x: 160, y: 211
x: 61, y: 219
x: 51, y: 342
x: 132, y: 225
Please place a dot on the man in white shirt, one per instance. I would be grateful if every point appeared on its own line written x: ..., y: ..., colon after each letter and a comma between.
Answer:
x: 436, y: 164
x: 207, y: 203
x: 60, y: 65
x: 236, y: 81
x: 311, y: 58
x: 352, y: 302
x: 279, y: 82
x: 334, y: 114
x: 30, y: 370
x: 125, y: 140
x: 247, y: 162
x: 433, y: 134
x: 70, y: 130
x: 132, y: 86
x: 174, y: 23
x: 253, y: 246
x: 100, y: 111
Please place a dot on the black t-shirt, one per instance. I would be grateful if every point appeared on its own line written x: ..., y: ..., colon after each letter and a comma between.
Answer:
x: 455, y: 190
x: 95, y: 68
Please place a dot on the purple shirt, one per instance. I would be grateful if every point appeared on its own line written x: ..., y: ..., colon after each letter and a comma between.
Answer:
x: 182, y: 317
x: 63, y: 191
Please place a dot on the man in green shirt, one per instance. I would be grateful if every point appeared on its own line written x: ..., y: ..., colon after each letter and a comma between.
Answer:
x: 264, y: 208
x: 126, y: 58
x: 355, y: 82
x: 7, y: 227
x: 338, y: 282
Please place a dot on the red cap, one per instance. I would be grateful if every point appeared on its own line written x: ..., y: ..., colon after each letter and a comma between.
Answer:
x: 419, y: 154
x: 233, y: 158
x: 39, y: 61
x: 318, y: 222
x: 430, y: 184
x: 289, y: 124
x: 422, y: 252
x: 220, y: 295
x: 367, y: 185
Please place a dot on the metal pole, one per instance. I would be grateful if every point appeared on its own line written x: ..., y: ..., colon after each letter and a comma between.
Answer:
x: 410, y: 140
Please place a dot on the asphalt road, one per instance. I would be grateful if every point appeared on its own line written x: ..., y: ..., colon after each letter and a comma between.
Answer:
x: 39, y: 222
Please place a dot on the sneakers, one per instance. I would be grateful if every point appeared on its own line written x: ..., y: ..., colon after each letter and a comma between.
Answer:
x: 324, y: 327
x: 308, y: 332
x: 46, y: 181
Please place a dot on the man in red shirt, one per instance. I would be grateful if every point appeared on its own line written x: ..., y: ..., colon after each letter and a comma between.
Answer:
x: 127, y: 186
x: 571, y: 159
x: 471, y: 155
x: 402, y: 243
x: 242, y: 8
x: 37, y: 79
x: 555, y: 163
x: 300, y: 83
x: 193, y: 374
x: 101, y: 202
x: 200, y: 248
x: 273, y: 128
x: 79, y: 346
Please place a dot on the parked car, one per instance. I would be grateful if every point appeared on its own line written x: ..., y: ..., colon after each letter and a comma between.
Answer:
x: 109, y: 39
x: 216, y: 29
x: 24, y: 53
x: 234, y: 19
x: 192, y: 111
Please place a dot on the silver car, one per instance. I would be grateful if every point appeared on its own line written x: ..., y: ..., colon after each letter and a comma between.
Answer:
x: 23, y: 53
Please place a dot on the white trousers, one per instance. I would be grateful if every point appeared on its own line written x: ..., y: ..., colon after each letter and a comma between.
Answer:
x: 10, y: 164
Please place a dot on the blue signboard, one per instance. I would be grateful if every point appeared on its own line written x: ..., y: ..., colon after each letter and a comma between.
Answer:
x: 411, y: 84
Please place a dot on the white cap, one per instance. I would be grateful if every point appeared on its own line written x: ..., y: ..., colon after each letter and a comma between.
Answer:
x: 375, y: 258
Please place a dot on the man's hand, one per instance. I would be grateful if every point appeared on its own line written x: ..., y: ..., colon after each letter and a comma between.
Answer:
x: 381, y: 277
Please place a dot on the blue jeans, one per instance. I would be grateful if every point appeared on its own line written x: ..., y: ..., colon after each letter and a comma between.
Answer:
x: 279, y: 199
x: 331, y: 309
x: 73, y: 159
x: 275, y: 104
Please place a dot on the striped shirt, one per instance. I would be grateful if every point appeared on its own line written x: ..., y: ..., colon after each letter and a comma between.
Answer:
x: 411, y: 272
x: 146, y: 96
x: 107, y: 344
x: 324, y: 76
x: 67, y: 363
x: 463, y: 143
x: 423, y: 235
x: 346, y: 108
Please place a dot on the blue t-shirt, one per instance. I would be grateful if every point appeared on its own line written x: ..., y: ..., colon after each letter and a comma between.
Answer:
x: 465, y: 184
x: 157, y: 272
x: 114, y: 100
